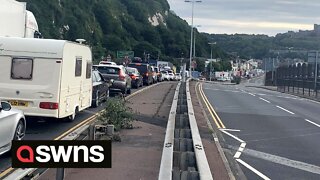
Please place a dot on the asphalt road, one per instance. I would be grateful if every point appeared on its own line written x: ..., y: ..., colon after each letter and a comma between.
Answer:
x: 50, y: 129
x: 280, y: 133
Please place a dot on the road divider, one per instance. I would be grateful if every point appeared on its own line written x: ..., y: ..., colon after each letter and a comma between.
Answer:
x: 183, y: 155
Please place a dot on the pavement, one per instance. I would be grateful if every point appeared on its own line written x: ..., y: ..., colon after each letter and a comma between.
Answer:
x: 270, y: 135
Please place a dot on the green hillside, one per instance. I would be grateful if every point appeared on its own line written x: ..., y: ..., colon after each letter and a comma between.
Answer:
x: 112, y: 25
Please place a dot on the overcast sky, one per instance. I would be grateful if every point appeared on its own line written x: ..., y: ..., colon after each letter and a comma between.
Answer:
x: 250, y: 16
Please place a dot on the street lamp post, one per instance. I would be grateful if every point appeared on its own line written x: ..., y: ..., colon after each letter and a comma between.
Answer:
x: 210, y: 73
x: 194, y: 42
x: 191, y: 39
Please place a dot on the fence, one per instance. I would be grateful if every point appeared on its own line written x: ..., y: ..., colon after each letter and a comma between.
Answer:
x: 301, y: 79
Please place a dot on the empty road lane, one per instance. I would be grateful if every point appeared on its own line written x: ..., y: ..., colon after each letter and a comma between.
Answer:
x: 270, y: 134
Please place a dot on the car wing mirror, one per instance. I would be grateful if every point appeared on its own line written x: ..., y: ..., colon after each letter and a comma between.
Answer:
x: 111, y: 81
x: 5, y: 106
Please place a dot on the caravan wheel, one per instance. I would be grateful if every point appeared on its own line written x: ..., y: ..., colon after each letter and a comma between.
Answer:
x: 72, y: 117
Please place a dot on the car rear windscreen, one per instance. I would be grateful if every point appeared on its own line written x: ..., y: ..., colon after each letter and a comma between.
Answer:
x: 108, y: 70
x: 142, y: 68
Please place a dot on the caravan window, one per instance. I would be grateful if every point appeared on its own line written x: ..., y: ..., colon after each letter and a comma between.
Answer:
x: 21, y: 68
x: 78, y: 66
x: 89, y: 70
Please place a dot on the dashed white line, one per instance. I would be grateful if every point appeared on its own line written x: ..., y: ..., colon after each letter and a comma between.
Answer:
x: 253, y: 169
x: 251, y: 94
x: 237, y: 155
x: 241, y: 148
x: 285, y: 109
x: 261, y: 94
x: 312, y: 123
x: 264, y: 100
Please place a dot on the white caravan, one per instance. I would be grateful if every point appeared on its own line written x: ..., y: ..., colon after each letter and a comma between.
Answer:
x: 45, y: 77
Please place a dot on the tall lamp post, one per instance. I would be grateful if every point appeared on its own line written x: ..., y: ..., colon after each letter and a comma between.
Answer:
x: 211, y: 43
x: 194, y: 41
x: 191, y: 39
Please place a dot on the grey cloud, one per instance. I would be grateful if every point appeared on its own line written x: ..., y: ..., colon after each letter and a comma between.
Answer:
x: 280, y: 11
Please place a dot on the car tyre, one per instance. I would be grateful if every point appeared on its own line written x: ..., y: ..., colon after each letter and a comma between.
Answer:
x: 97, y: 101
x: 20, y: 131
x: 129, y: 91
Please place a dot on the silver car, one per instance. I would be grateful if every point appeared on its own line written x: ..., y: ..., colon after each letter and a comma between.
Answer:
x: 12, y: 126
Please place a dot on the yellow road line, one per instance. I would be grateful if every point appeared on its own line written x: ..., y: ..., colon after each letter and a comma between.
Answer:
x: 87, y: 121
x: 223, y: 126
x: 215, y: 120
x: 211, y: 109
x: 4, y: 173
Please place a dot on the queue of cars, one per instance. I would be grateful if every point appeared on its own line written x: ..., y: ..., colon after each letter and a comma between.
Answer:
x: 135, y: 75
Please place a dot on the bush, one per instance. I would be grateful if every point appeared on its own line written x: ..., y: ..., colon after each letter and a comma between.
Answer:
x: 117, y: 113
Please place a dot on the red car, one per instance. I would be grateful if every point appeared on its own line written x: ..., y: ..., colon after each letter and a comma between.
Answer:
x: 136, y: 77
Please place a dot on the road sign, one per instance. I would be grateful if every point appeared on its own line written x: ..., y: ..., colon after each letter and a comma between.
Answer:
x: 123, y: 54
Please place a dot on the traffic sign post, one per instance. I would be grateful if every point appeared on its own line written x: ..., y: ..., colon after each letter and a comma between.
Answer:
x: 313, y: 59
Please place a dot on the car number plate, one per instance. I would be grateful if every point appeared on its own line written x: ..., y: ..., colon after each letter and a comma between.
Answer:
x: 19, y: 103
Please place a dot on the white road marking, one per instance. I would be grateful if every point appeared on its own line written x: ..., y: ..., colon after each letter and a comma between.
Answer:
x: 236, y: 130
x: 237, y: 155
x: 312, y: 123
x: 233, y: 136
x: 253, y: 169
x: 261, y: 94
x: 251, y: 94
x: 221, y: 90
x: 285, y: 109
x: 283, y: 161
x: 288, y: 97
x: 264, y: 100
x: 241, y: 148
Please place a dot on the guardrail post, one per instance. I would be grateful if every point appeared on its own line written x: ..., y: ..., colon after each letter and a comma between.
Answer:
x: 60, y: 174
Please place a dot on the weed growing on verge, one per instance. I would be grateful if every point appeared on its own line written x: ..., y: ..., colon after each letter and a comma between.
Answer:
x: 117, y: 113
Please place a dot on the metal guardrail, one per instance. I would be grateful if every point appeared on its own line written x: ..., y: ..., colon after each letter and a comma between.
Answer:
x: 202, y: 162
x: 167, y: 153
x: 183, y: 155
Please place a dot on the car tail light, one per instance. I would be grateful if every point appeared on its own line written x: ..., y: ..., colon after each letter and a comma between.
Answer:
x: 122, y: 76
x: 133, y: 76
x: 49, y: 105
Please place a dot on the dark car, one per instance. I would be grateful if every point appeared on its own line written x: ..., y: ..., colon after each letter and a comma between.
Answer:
x: 145, y: 71
x: 121, y: 79
x: 100, y: 90
x: 136, y: 77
